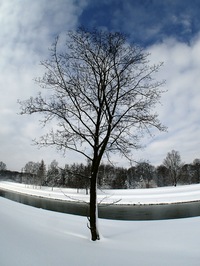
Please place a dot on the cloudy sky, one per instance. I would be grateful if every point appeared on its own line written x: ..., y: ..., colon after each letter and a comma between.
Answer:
x: 169, y: 30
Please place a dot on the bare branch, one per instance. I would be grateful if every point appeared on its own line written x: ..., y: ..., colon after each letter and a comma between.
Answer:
x: 101, y: 93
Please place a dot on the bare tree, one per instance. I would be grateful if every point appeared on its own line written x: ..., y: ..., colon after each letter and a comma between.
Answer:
x: 145, y: 172
x: 196, y: 166
x: 101, y: 91
x: 173, y: 163
x: 53, y: 174
x: 31, y: 170
x: 3, y: 166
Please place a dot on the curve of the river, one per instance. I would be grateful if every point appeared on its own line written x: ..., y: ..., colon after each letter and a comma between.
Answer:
x: 116, y: 212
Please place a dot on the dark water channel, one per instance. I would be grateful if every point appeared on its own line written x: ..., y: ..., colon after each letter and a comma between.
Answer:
x: 117, y: 212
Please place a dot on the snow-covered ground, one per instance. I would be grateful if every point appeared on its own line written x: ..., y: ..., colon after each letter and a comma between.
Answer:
x: 120, y: 196
x: 35, y: 237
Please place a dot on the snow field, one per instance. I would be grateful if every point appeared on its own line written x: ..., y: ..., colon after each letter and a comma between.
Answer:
x: 34, y: 237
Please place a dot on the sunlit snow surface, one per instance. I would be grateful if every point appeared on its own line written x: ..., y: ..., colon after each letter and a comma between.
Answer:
x: 34, y: 237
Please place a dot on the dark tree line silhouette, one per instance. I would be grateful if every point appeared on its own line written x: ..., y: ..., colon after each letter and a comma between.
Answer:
x: 76, y: 175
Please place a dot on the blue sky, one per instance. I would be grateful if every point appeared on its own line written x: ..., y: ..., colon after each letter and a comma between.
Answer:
x: 168, y: 29
x: 146, y: 21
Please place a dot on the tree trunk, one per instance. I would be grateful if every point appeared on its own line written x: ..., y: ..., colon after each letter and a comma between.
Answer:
x: 93, y: 207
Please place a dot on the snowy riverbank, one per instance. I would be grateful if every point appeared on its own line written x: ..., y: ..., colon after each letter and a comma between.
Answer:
x: 120, y: 196
x: 32, y: 236
x: 36, y: 237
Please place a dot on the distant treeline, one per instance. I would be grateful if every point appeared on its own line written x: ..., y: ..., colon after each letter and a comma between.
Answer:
x: 143, y: 175
x: 11, y: 175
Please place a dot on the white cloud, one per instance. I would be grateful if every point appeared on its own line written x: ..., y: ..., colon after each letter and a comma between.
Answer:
x: 180, y: 104
x: 27, y: 30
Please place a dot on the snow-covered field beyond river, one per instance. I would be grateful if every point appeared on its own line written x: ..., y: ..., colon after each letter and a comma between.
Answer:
x: 120, y: 196
x: 35, y: 237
